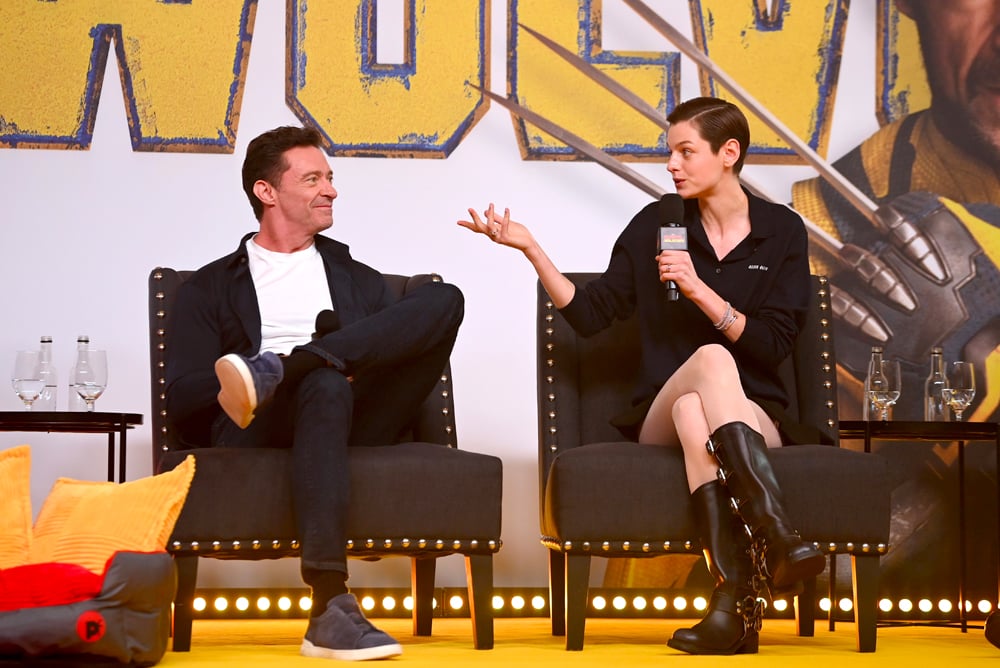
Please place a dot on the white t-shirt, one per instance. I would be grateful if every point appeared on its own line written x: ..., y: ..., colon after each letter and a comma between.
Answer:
x: 291, y: 290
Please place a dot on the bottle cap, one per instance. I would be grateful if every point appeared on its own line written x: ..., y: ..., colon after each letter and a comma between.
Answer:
x: 937, y: 350
x: 46, y: 339
x: 83, y: 338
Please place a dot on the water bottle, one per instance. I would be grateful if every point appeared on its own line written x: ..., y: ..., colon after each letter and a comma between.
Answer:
x: 935, y: 408
x: 46, y: 401
x: 75, y: 402
x: 870, y: 410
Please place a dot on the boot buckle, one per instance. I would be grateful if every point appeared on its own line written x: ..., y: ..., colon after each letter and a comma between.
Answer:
x: 751, y: 609
x: 758, y: 554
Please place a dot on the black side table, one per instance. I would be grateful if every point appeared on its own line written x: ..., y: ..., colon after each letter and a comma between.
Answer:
x: 936, y: 432
x: 78, y: 423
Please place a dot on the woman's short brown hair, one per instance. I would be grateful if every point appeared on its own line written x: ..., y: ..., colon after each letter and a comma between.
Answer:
x: 717, y: 121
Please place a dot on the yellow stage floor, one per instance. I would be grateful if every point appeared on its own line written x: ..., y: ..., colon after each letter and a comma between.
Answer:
x: 522, y: 643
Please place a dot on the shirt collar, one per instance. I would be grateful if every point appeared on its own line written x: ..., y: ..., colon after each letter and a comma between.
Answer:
x: 762, y: 225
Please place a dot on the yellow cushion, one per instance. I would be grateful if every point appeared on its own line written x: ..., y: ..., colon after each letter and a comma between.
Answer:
x: 85, y: 523
x: 15, y: 506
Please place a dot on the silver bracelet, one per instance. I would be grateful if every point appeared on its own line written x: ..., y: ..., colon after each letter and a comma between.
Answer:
x: 729, y: 322
x: 725, y: 316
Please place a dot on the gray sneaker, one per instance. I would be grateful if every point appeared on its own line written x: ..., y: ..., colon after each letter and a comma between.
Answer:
x: 247, y: 383
x: 343, y: 633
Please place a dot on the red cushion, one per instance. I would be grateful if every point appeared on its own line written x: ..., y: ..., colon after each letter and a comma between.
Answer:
x: 37, y: 585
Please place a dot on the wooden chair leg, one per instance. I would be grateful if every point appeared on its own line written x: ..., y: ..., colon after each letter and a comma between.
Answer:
x: 557, y: 592
x: 479, y: 576
x: 805, y: 609
x: 577, y: 585
x: 866, y: 574
x: 422, y: 586
x: 187, y: 577
x: 832, y: 593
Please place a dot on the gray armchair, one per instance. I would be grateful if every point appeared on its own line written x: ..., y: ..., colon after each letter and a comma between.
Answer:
x: 602, y: 497
x: 422, y: 498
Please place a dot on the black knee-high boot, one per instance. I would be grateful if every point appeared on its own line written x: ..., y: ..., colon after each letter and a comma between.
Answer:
x: 747, y: 473
x: 732, y: 622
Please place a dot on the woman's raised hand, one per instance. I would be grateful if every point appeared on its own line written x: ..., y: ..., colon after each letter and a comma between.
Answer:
x: 506, y: 232
x: 500, y: 229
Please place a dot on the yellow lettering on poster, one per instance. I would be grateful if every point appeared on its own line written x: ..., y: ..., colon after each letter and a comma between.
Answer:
x: 422, y: 107
x: 548, y: 85
x: 785, y: 54
x: 900, y: 77
x: 181, y: 63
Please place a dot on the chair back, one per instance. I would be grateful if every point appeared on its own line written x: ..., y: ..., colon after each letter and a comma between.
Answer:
x: 434, y: 423
x: 583, y: 382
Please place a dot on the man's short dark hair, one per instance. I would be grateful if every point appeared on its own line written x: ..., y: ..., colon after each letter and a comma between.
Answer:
x: 265, y: 159
x: 717, y: 121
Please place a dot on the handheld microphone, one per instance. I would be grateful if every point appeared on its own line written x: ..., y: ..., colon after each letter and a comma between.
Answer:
x: 673, y: 236
x: 327, y: 322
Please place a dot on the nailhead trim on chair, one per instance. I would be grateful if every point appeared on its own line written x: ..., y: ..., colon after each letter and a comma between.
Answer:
x: 385, y: 546
x: 826, y: 368
x: 683, y: 547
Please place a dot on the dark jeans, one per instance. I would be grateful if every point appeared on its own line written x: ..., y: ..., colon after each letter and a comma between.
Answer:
x: 395, y: 357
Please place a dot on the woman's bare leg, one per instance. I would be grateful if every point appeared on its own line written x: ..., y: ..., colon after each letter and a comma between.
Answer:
x: 702, y: 395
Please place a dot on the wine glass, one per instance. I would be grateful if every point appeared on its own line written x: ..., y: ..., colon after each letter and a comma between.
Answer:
x: 26, y: 377
x: 884, y: 387
x: 961, y: 388
x: 90, y: 377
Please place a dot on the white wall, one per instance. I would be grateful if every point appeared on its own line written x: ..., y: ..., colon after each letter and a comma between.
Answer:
x: 83, y: 229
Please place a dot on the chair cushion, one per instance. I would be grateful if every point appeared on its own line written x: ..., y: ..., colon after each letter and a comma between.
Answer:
x: 834, y: 495
x: 601, y: 492
x: 245, y: 494
x: 831, y: 494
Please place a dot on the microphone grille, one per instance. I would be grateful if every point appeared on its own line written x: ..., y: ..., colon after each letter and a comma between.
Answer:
x: 671, y: 208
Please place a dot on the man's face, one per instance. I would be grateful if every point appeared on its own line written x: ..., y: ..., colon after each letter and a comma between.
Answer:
x: 960, y: 40
x: 304, y: 195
